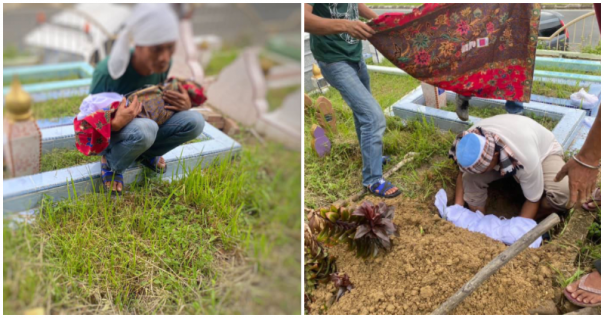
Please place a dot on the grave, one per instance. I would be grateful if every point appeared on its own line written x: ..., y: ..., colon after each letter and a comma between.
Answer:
x: 568, y: 130
x: 52, y: 89
x: 595, y: 88
x: 24, y: 193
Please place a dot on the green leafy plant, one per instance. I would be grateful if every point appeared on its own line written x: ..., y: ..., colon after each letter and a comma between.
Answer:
x: 366, y: 229
x: 318, y: 264
x: 342, y: 283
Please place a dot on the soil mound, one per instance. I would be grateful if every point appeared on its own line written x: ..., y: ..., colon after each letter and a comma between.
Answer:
x: 430, y: 261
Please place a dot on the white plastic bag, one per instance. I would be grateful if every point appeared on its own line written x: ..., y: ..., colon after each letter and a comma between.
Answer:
x: 583, y: 100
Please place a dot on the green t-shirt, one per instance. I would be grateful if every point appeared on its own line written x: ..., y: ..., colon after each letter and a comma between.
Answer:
x: 128, y: 83
x: 336, y: 47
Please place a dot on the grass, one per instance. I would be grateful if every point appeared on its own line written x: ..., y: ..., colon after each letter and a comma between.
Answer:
x: 275, y: 96
x: 220, y: 59
x: 485, y: 112
x: 36, y: 80
x: 338, y: 175
x: 556, y: 90
x: 69, y: 106
x: 564, y: 70
x: 11, y: 51
x: 221, y: 240
x: 64, y: 158
x: 597, y: 49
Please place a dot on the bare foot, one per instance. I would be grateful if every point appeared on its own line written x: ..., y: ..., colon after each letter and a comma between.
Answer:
x: 116, y: 185
x: 593, y: 281
x: 161, y: 163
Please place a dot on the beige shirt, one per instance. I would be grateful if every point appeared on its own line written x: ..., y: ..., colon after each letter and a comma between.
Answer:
x: 531, y: 144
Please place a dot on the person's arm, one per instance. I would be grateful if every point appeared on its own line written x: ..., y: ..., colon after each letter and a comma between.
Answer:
x: 321, y: 26
x: 529, y: 209
x: 459, y: 189
x: 366, y: 13
x: 582, y: 180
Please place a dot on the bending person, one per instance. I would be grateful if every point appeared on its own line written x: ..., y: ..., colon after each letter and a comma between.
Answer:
x: 154, y: 29
x: 510, y: 146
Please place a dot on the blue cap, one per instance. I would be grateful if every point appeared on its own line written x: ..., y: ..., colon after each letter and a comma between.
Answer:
x: 469, y: 149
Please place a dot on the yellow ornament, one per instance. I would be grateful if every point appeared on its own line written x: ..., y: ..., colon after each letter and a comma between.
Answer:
x: 18, y: 102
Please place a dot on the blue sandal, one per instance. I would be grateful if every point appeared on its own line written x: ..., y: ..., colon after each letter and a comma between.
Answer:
x: 152, y: 164
x: 109, y: 176
x: 380, y: 188
x: 385, y: 160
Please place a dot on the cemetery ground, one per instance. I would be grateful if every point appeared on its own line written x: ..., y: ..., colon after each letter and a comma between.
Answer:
x: 223, y: 239
x: 431, y: 259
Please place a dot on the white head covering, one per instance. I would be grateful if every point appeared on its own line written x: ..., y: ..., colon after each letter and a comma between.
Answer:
x: 150, y: 24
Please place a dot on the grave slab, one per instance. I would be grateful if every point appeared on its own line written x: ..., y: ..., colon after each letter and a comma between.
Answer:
x: 412, y: 106
x: 25, y: 193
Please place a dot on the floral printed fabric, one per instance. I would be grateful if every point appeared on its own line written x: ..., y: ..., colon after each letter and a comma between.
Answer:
x: 483, y: 50
x: 93, y: 132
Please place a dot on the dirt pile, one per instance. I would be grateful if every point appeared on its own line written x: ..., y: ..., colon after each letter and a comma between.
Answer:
x: 430, y: 261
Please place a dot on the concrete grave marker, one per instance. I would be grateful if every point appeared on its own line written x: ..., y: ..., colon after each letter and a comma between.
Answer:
x: 22, y: 140
x: 326, y: 115
x: 284, y: 124
x: 240, y: 90
x: 185, y: 60
x: 320, y: 143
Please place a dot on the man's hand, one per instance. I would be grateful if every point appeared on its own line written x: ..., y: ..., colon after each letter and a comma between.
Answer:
x: 177, y: 101
x: 581, y: 180
x: 124, y: 115
x: 359, y: 30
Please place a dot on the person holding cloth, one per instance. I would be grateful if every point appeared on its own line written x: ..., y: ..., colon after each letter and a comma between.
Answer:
x: 335, y: 42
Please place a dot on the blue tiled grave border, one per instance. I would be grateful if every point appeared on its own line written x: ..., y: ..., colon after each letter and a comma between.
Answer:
x: 52, y: 90
x: 25, y: 193
x: 595, y: 88
x: 412, y: 106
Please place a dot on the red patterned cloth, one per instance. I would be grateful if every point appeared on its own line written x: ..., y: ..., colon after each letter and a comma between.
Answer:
x: 93, y: 132
x: 484, y: 50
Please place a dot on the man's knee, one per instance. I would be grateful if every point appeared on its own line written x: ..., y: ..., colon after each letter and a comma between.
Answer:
x: 141, y: 132
x: 194, y: 123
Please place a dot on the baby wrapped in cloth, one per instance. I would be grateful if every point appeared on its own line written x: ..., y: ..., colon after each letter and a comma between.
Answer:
x: 93, y: 124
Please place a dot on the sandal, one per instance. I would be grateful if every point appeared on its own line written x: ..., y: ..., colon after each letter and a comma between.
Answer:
x: 594, y: 203
x: 152, y: 164
x: 380, y: 188
x: 582, y: 286
x: 109, y: 176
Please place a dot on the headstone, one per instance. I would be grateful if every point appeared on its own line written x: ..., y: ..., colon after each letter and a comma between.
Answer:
x: 284, y: 124
x: 320, y: 143
x: 240, y: 90
x: 326, y: 116
x: 307, y: 101
x: 22, y: 137
x: 185, y: 62
x: 435, y: 97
